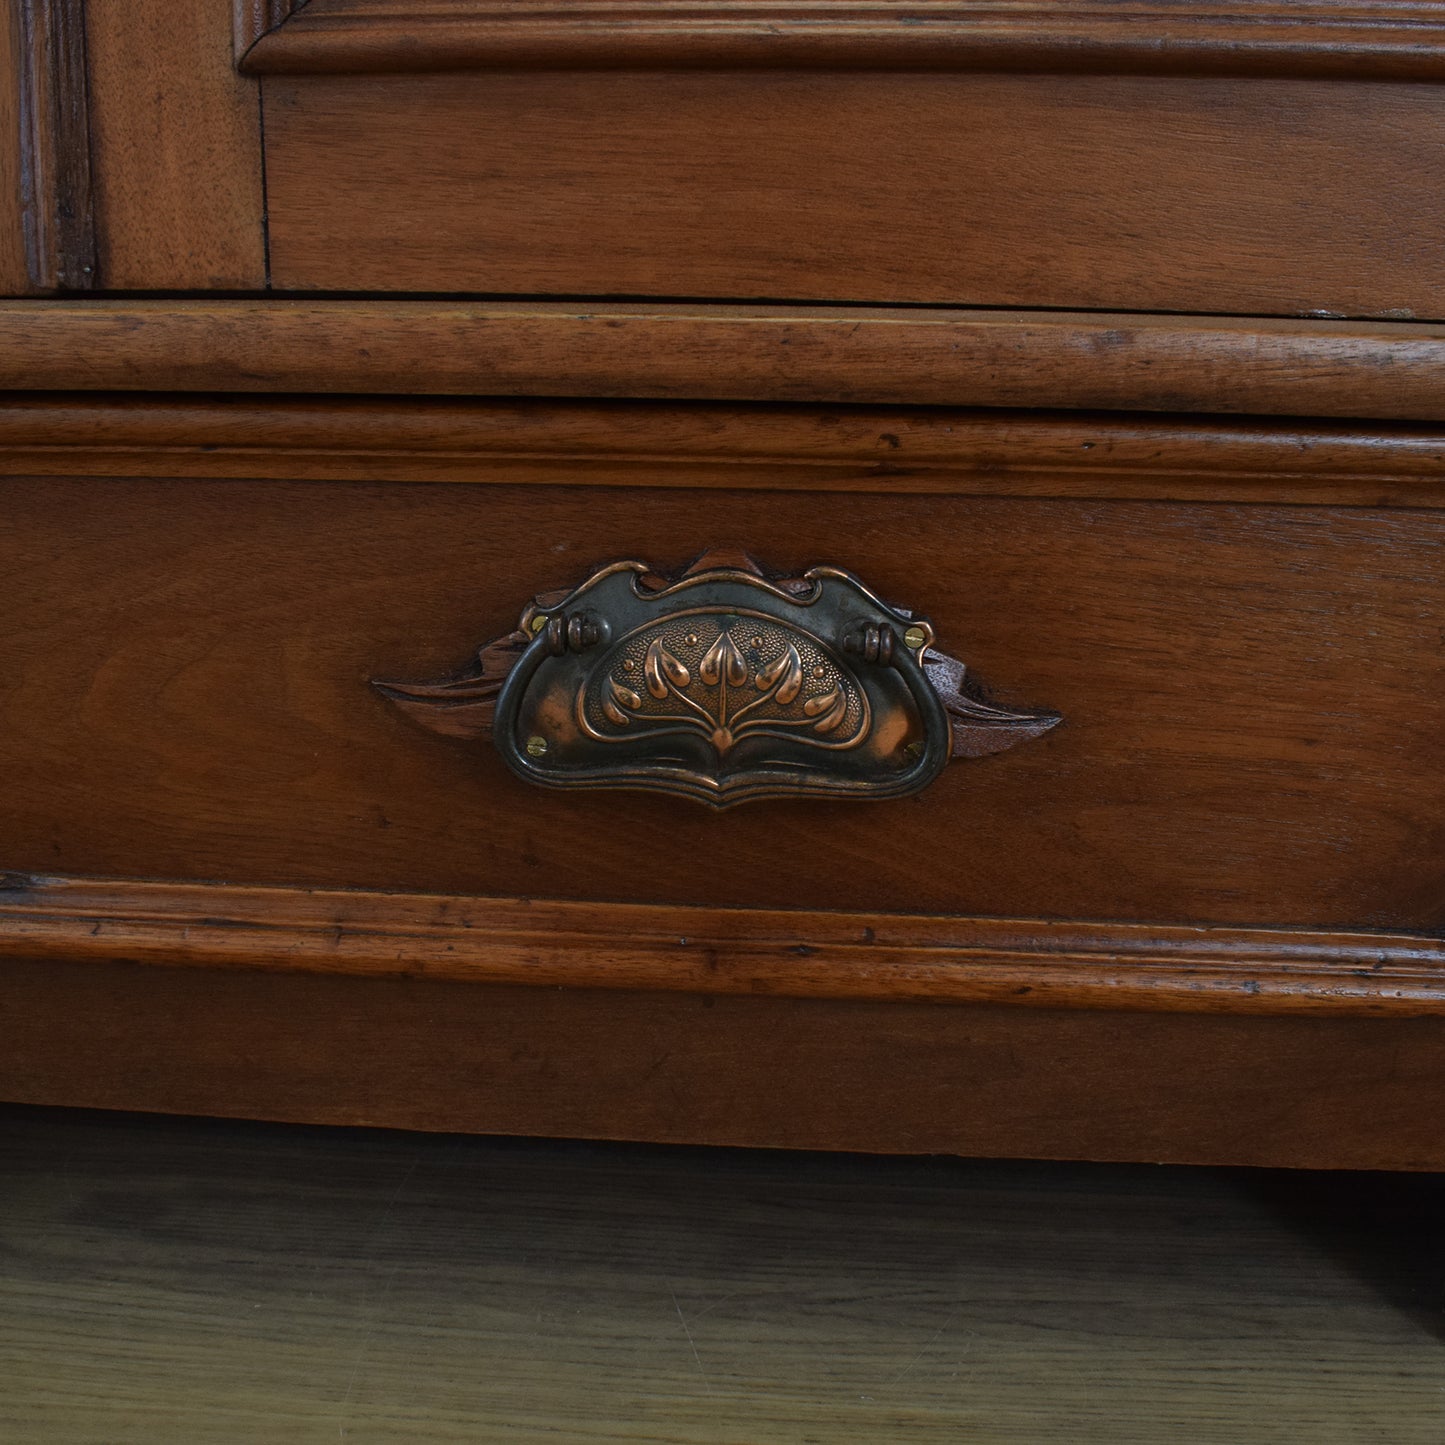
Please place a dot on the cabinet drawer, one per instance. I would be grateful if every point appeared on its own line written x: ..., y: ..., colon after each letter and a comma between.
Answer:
x: 1198, y: 919
x: 1250, y: 689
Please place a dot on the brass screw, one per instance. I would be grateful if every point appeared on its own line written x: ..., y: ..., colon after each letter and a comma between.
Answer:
x: 536, y: 746
x: 913, y: 751
x: 538, y: 622
x: 915, y: 637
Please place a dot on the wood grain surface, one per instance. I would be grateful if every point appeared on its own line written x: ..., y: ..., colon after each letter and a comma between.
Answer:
x: 14, y: 267
x: 1326, y: 37
x: 1116, y: 193
x: 1252, y: 699
x: 168, y: 1280
x: 1038, y: 963
x: 52, y: 109
x: 884, y: 451
x: 177, y: 142
x: 911, y: 357
x: 909, y: 1078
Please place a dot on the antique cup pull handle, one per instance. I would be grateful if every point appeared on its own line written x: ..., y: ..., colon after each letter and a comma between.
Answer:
x: 723, y: 685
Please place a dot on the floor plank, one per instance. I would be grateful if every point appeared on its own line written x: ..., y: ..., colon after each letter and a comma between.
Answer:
x: 202, y: 1281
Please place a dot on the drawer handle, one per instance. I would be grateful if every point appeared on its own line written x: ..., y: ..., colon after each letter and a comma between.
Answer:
x: 724, y: 685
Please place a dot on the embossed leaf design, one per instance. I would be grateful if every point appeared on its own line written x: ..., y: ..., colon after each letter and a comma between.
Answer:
x: 660, y: 667
x: 833, y: 706
x: 723, y: 660
x: 726, y: 696
x: 619, y: 694
x: 625, y: 695
x: 784, y: 672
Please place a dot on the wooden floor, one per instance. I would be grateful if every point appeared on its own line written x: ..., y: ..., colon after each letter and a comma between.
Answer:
x: 194, y: 1281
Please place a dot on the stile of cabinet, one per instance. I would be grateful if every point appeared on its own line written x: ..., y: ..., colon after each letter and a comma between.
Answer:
x: 843, y: 580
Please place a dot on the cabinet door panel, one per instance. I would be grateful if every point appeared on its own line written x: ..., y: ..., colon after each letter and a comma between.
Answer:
x: 1127, y: 192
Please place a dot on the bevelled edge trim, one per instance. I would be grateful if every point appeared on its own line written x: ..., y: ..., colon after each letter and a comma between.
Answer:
x: 1243, y: 37
x: 642, y: 947
x: 701, y: 446
x: 1385, y: 370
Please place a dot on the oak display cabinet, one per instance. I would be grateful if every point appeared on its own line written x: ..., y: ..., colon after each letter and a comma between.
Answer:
x: 837, y: 575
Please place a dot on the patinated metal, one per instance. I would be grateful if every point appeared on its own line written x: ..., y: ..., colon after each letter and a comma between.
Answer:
x: 722, y: 685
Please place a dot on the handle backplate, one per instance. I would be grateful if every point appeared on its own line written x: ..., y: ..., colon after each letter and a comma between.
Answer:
x: 723, y: 685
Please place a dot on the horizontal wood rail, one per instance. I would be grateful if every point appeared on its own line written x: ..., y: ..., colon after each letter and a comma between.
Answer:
x: 1318, y: 37
x: 887, y: 451
x: 869, y: 355
x: 879, y: 957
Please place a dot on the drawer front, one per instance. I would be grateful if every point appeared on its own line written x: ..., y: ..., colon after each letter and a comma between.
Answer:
x: 1251, y: 691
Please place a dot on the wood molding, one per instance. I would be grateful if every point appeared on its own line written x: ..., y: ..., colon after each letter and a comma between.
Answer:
x: 253, y: 19
x: 757, y: 447
x: 56, y: 203
x: 1278, y: 37
x: 865, y: 956
x: 763, y: 447
x: 923, y: 356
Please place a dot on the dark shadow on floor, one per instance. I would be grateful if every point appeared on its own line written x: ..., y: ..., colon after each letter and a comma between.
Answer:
x: 1386, y: 1230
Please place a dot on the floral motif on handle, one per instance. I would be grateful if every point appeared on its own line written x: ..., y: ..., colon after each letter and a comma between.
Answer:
x: 723, y: 684
x: 678, y: 676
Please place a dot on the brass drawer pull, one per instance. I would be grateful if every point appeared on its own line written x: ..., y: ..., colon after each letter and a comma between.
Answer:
x: 722, y: 685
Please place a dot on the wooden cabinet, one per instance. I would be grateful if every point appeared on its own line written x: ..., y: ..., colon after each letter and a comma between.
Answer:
x: 353, y: 330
